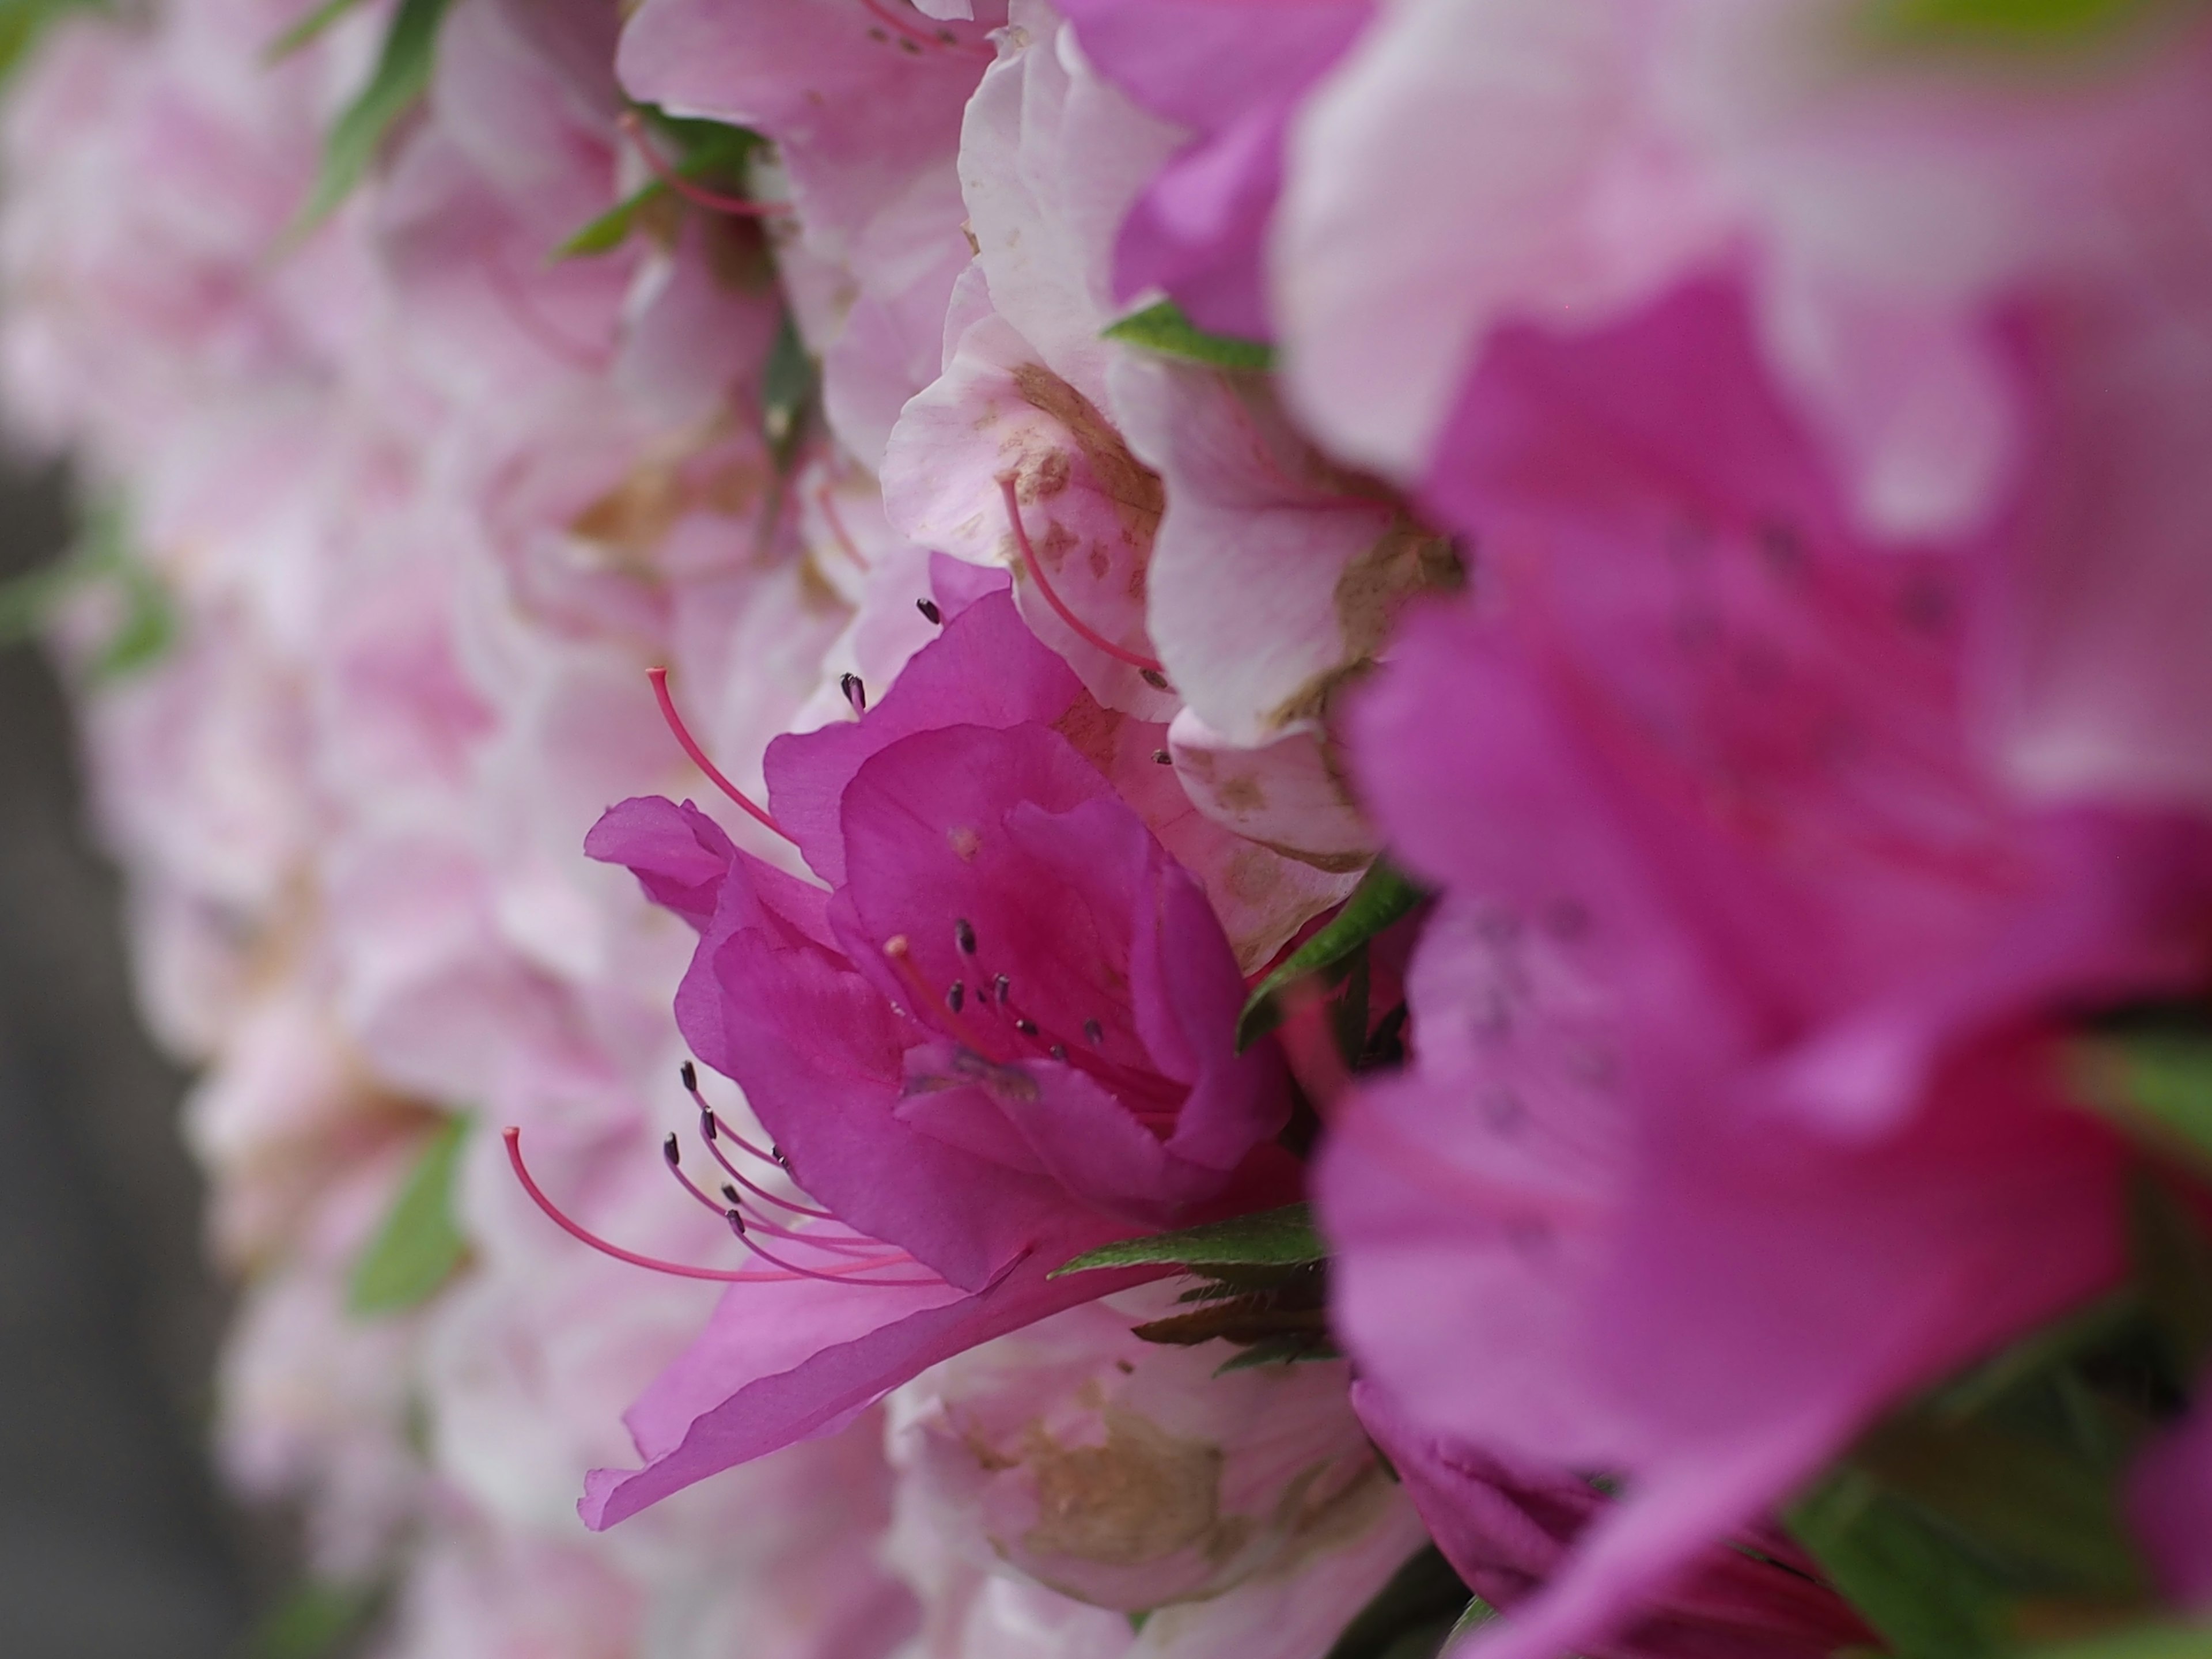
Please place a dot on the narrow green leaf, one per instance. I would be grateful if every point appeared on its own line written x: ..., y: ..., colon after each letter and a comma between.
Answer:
x: 308, y: 28
x: 402, y: 76
x: 1930, y: 1598
x: 612, y: 229
x: 2173, y: 1270
x: 1277, y: 1351
x: 1271, y: 1238
x: 1478, y: 1613
x: 2014, y: 25
x: 2156, y: 1083
x: 148, y: 629
x: 314, y: 1620
x: 1163, y: 328
x: 22, y: 22
x: 2031, y: 1503
x: 2159, y: 1641
x: 1383, y: 896
x: 419, y: 1246
x: 787, y: 388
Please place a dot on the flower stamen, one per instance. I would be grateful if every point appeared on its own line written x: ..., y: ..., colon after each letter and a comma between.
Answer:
x: 690, y: 747
x: 1034, y: 566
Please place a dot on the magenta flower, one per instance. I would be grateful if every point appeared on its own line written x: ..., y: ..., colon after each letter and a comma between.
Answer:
x: 1507, y: 1524
x: 1233, y: 78
x: 1001, y: 1035
x: 1735, y: 1115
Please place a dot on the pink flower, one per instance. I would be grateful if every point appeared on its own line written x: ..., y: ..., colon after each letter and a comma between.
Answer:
x: 1001, y: 1036
x: 1733, y: 1116
x: 1506, y: 1524
x: 1128, y: 1475
x: 864, y: 107
x: 1230, y: 74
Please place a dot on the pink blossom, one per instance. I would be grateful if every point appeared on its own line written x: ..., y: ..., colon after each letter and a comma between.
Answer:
x: 1733, y: 1116
x: 1506, y: 1524
x: 1231, y: 75
x: 923, y: 1028
x: 864, y: 108
x: 1128, y: 1475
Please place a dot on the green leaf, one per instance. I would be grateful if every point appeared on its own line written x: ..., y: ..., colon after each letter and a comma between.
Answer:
x: 2158, y: 1082
x: 1383, y: 896
x: 612, y: 229
x: 1928, y: 1597
x: 314, y: 1620
x: 419, y: 1246
x: 1411, y: 1617
x: 1163, y: 328
x: 2014, y: 25
x: 787, y: 388
x: 2174, y: 1273
x: 23, y: 23
x: 402, y: 76
x: 2045, y: 1511
x: 1270, y: 1238
x: 2159, y: 1641
x: 308, y: 28
x: 148, y: 629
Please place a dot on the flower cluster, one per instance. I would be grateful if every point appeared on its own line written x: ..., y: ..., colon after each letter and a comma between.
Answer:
x: 1167, y: 828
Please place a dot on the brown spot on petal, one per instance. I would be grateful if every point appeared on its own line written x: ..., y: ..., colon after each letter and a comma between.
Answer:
x: 1134, y: 488
x: 1241, y: 793
x: 1142, y: 1496
x: 964, y: 841
x: 1406, y: 560
x: 1048, y: 477
x: 633, y: 517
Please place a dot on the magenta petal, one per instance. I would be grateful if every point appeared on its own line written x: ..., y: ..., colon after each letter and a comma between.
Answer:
x: 839, y: 1351
x: 819, y: 1054
x: 2169, y: 1502
x: 1234, y: 78
x: 985, y: 669
x: 678, y: 854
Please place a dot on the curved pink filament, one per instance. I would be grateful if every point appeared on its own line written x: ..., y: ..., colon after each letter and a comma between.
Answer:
x: 1036, y: 568
x: 690, y: 188
x: 845, y: 1275
x: 652, y: 1264
x: 659, y: 678
x: 845, y: 542
x: 921, y: 37
x: 756, y: 1189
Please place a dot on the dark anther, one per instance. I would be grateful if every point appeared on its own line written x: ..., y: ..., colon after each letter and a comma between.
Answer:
x: 1153, y: 677
x: 706, y: 1124
x: 856, y: 693
x: 730, y: 1192
x: 928, y: 608
x: 1026, y: 1027
x: 1000, y: 987
x: 955, y: 994
x: 737, y: 1222
x: 1059, y: 1051
x: 963, y: 935
x: 690, y: 1073
x: 671, y: 1151
x: 1161, y: 757
x: 1096, y: 1032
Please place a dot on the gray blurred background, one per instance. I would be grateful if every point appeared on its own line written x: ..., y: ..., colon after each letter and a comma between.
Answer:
x: 113, y: 1543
